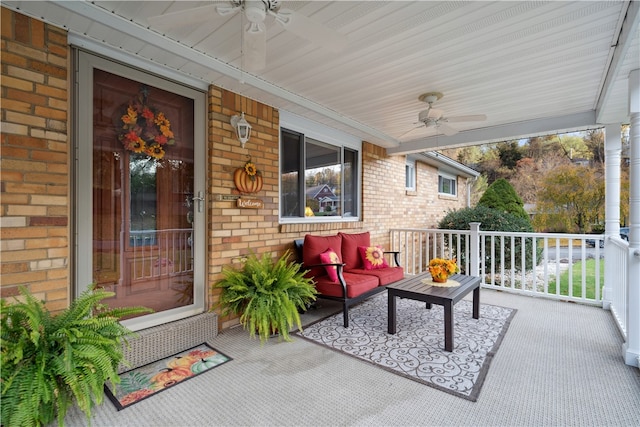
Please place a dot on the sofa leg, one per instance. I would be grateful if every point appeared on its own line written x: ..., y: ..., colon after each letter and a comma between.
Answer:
x: 345, y: 315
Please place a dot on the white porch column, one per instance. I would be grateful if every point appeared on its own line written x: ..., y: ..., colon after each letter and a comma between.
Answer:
x: 613, y: 149
x: 632, y: 346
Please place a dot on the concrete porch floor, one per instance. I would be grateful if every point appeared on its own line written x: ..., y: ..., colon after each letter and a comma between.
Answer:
x: 559, y: 364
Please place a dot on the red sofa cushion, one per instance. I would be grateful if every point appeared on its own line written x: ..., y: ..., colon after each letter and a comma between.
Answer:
x: 357, y: 284
x: 316, y: 245
x: 384, y: 275
x: 350, y: 242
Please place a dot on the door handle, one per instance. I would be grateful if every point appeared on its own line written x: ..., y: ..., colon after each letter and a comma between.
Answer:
x: 199, y: 199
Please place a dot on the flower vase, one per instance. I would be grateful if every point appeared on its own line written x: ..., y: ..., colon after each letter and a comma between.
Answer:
x: 440, y: 279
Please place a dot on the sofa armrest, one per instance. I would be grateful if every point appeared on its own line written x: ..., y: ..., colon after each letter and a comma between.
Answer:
x: 339, y: 269
x: 396, y: 258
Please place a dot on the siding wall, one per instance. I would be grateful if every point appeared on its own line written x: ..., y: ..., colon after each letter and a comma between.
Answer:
x: 35, y: 214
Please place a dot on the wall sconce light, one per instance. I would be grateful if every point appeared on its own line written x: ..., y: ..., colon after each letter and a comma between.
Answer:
x: 242, y: 128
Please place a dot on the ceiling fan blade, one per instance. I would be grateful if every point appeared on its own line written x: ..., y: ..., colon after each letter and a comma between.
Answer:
x: 446, y: 129
x: 411, y: 130
x: 473, y: 118
x: 254, y: 47
x: 225, y: 10
x: 182, y: 18
x: 311, y: 30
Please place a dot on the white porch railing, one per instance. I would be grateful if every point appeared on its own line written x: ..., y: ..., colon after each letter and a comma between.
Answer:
x: 619, y: 250
x: 156, y: 253
x: 561, y: 266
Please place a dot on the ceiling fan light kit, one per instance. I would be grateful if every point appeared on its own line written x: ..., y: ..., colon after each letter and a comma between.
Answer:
x: 432, y: 117
x: 430, y: 97
x: 254, y: 35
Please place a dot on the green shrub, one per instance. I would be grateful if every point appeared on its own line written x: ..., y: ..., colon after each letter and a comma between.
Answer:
x: 491, y: 220
x: 49, y: 362
x: 502, y: 196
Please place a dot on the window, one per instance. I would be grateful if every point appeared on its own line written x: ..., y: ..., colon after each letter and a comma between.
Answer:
x: 410, y: 174
x: 319, y: 173
x: 447, y: 184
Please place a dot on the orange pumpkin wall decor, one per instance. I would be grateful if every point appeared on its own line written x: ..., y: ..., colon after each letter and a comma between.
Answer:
x: 248, y: 179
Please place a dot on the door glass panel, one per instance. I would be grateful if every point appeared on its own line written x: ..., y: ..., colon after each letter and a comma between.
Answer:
x: 143, y: 180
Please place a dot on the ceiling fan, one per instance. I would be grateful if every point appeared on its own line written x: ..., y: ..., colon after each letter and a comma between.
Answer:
x: 254, y: 36
x: 432, y: 117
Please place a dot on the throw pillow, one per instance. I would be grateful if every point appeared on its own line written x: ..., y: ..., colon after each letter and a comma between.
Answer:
x: 331, y: 257
x: 372, y: 257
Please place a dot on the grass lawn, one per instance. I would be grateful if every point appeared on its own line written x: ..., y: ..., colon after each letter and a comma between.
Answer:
x: 577, y: 280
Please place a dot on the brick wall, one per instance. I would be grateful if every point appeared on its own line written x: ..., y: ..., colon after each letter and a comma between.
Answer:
x: 35, y: 174
x: 34, y: 170
x: 387, y: 204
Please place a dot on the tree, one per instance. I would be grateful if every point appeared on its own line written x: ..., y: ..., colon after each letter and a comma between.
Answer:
x: 624, y: 196
x: 502, y: 197
x: 509, y: 154
x: 540, y: 146
x: 526, y: 179
x: 594, y: 140
x: 573, y: 146
x: 478, y: 188
x: 571, y: 200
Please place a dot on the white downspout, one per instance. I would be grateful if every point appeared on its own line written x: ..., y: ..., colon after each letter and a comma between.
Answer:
x: 469, y: 185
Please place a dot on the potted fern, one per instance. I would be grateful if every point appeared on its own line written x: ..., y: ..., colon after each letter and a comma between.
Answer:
x: 51, y: 362
x: 266, y: 294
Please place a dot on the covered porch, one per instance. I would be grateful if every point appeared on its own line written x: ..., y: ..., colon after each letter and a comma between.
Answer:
x: 558, y: 364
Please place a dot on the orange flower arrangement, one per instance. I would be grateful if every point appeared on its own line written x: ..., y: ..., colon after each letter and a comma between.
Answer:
x: 441, y: 269
x: 144, y: 129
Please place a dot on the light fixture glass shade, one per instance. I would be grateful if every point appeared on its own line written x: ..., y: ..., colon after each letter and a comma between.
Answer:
x: 242, y: 128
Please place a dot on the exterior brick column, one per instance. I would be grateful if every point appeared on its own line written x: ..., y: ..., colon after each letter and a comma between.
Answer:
x: 34, y: 217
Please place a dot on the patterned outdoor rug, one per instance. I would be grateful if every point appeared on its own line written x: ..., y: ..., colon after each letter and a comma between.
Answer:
x: 145, y: 381
x: 416, y: 351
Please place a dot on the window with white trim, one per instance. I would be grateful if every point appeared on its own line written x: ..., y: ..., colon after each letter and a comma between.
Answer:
x: 410, y: 174
x: 447, y: 184
x: 319, y: 173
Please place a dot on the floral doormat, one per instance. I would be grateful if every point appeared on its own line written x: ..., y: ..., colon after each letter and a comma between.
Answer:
x: 145, y: 381
x: 416, y: 351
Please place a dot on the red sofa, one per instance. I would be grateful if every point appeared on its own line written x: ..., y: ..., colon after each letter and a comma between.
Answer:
x: 354, y: 281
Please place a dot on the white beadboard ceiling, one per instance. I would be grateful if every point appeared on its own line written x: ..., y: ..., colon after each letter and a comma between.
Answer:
x: 531, y: 67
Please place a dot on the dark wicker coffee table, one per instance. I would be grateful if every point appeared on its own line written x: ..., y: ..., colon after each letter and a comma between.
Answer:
x: 413, y: 288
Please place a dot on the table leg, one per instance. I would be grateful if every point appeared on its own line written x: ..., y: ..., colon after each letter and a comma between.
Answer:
x: 476, y: 303
x: 448, y: 326
x: 391, y: 315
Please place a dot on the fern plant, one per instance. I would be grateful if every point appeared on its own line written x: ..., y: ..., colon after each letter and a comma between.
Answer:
x: 51, y: 362
x: 268, y: 295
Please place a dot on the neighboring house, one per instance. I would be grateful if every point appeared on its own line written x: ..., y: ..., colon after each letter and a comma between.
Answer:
x: 579, y: 161
x: 81, y: 204
x: 530, y: 209
x: 326, y: 199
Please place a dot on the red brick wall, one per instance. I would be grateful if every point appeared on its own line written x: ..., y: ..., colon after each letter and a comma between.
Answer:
x: 34, y: 172
x: 35, y: 175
